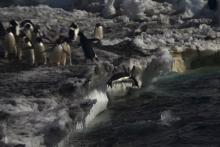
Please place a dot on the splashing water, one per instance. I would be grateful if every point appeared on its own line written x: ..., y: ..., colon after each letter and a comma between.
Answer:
x: 98, y: 107
x: 167, y: 117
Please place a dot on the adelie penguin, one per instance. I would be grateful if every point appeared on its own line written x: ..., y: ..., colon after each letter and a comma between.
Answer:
x: 20, y: 44
x: 28, y: 52
x: 40, y: 52
x: 9, y: 43
x: 28, y: 30
x: 98, y: 32
x: 121, y: 77
x: 55, y: 55
x: 15, y: 27
x: 73, y: 31
x: 66, y: 57
x: 87, y: 48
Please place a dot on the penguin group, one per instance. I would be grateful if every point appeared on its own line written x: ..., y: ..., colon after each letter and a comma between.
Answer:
x: 24, y: 42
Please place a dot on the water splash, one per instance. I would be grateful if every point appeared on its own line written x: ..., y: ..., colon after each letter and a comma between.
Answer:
x: 100, y: 105
x: 167, y: 118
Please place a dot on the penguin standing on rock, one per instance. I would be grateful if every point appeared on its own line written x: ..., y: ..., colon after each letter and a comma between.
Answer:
x: 73, y: 31
x: 28, y: 30
x: 98, y: 32
x: 28, y: 52
x: 66, y: 54
x: 10, y: 44
x: 40, y: 52
x: 20, y: 44
x: 86, y: 45
x: 15, y: 27
x: 55, y: 55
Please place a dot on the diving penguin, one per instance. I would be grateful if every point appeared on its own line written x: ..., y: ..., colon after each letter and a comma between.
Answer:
x: 86, y: 45
x: 125, y: 76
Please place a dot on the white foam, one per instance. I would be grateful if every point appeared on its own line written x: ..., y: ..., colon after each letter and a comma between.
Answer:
x: 135, y: 9
x: 98, y: 107
x: 167, y: 117
x: 189, y: 7
x: 118, y: 89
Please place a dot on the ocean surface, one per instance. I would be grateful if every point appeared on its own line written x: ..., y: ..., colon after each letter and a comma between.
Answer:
x: 177, y: 110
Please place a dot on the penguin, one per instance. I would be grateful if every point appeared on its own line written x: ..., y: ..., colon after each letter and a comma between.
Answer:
x: 66, y: 54
x: 86, y: 45
x: 73, y: 31
x: 40, y: 52
x: 28, y: 52
x: 9, y: 43
x: 15, y: 27
x: 2, y: 35
x: 56, y: 54
x: 20, y: 45
x: 123, y: 77
x: 29, y: 30
x: 98, y: 32
x: 36, y: 33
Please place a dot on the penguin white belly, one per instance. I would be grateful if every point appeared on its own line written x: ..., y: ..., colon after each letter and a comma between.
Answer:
x: 40, y: 53
x: 63, y: 58
x: 10, y: 44
x: 28, y: 54
x: 76, y: 32
x: 99, y: 33
x: 55, y: 55
x: 28, y: 33
x: 66, y: 56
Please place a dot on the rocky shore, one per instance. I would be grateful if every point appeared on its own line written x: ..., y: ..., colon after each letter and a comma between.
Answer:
x: 42, y: 106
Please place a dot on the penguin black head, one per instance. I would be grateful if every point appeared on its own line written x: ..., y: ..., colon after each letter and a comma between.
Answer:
x: 98, y: 25
x: 73, y: 25
x: 26, y: 39
x: 39, y: 39
x: 22, y: 34
x: 24, y: 22
x: 37, y: 29
x: 27, y: 26
x: 60, y: 39
x: 9, y: 29
x: 13, y: 23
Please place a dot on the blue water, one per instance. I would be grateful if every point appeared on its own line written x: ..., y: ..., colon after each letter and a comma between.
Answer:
x: 176, y: 111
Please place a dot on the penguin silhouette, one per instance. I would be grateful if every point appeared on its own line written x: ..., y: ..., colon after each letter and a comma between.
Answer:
x: 86, y: 45
x: 123, y: 76
x: 2, y: 34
